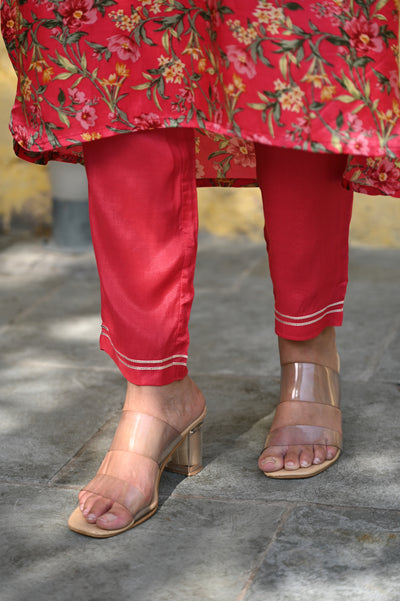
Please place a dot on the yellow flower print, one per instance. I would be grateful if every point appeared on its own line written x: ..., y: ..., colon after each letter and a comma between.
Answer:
x: 196, y: 53
x: 123, y: 21
x: 48, y: 75
x: 201, y: 66
x: 155, y: 5
x: 269, y: 15
x: 122, y: 70
x: 26, y: 88
x: 111, y: 81
x: 89, y: 137
x: 163, y: 60
x: 242, y: 34
x: 280, y: 85
x: 236, y: 88
x: 173, y: 70
x: 316, y: 79
x: 292, y: 100
x: 239, y: 83
x: 39, y: 65
x: 327, y: 93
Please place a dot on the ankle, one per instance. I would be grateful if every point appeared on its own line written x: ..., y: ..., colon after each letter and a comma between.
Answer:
x: 176, y: 403
x: 321, y: 350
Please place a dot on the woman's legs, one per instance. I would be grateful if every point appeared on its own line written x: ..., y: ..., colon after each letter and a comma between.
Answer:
x: 143, y: 211
x: 307, y: 218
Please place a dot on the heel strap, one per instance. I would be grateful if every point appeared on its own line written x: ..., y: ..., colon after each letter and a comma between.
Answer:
x: 310, y: 382
x: 145, y: 435
x: 308, y: 412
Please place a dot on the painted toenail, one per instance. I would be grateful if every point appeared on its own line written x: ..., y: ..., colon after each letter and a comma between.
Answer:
x: 317, y: 461
x: 91, y: 517
x: 108, y: 518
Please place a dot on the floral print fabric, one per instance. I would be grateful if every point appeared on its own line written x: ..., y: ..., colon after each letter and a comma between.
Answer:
x: 318, y: 76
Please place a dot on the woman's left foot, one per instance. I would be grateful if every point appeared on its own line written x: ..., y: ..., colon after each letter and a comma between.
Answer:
x: 305, y: 437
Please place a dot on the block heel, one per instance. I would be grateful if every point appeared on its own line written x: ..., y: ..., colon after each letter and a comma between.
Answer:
x: 187, y: 459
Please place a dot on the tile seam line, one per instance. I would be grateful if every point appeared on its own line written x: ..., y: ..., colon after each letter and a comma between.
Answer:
x: 253, y: 574
x: 79, y: 452
x: 166, y: 496
x: 279, y: 501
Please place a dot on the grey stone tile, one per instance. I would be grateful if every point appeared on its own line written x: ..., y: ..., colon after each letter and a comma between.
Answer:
x: 332, y: 554
x: 199, y: 550
x: 368, y: 340
x: 232, y: 321
x: 367, y: 474
x: 48, y: 414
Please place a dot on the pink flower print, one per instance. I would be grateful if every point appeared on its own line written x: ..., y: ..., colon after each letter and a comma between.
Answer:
x: 243, y: 152
x: 187, y: 95
x: 76, y: 13
x: 304, y: 126
x: 215, y: 17
x: 21, y: 135
x: 147, y: 121
x: 76, y: 96
x: 364, y: 36
x: 200, y: 171
x: 8, y: 22
x: 385, y: 177
x: 394, y: 82
x: 241, y: 61
x: 125, y: 48
x: 354, y: 123
x: 87, y: 116
x: 358, y: 145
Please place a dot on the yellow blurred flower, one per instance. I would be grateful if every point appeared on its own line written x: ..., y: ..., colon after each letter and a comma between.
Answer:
x: 327, y: 92
x: 89, y: 137
x: 122, y: 70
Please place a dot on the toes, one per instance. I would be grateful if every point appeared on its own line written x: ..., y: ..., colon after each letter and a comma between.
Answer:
x: 116, y: 517
x: 83, y: 496
x: 331, y: 452
x: 292, y: 459
x: 271, y: 459
x: 97, y: 509
x: 319, y: 454
x: 306, y: 456
x: 86, y: 503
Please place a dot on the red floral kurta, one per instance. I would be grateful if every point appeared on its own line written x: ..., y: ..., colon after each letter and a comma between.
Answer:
x: 318, y: 76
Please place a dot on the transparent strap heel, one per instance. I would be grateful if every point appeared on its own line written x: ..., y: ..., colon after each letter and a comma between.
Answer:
x: 187, y: 459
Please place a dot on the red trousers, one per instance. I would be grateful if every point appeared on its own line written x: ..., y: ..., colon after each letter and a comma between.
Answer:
x: 143, y: 212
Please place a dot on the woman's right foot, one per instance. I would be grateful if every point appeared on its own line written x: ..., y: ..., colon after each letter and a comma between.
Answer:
x: 152, y: 419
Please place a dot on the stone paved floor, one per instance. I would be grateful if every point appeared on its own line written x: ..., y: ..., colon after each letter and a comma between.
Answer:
x: 228, y: 534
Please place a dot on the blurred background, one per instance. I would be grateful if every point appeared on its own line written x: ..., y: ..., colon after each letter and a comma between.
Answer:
x: 27, y: 197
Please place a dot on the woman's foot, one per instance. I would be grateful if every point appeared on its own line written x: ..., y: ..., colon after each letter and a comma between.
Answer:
x: 281, y: 456
x: 178, y: 404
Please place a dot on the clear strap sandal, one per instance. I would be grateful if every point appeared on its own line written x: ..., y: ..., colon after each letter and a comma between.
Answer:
x: 157, y: 446
x: 308, y: 414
